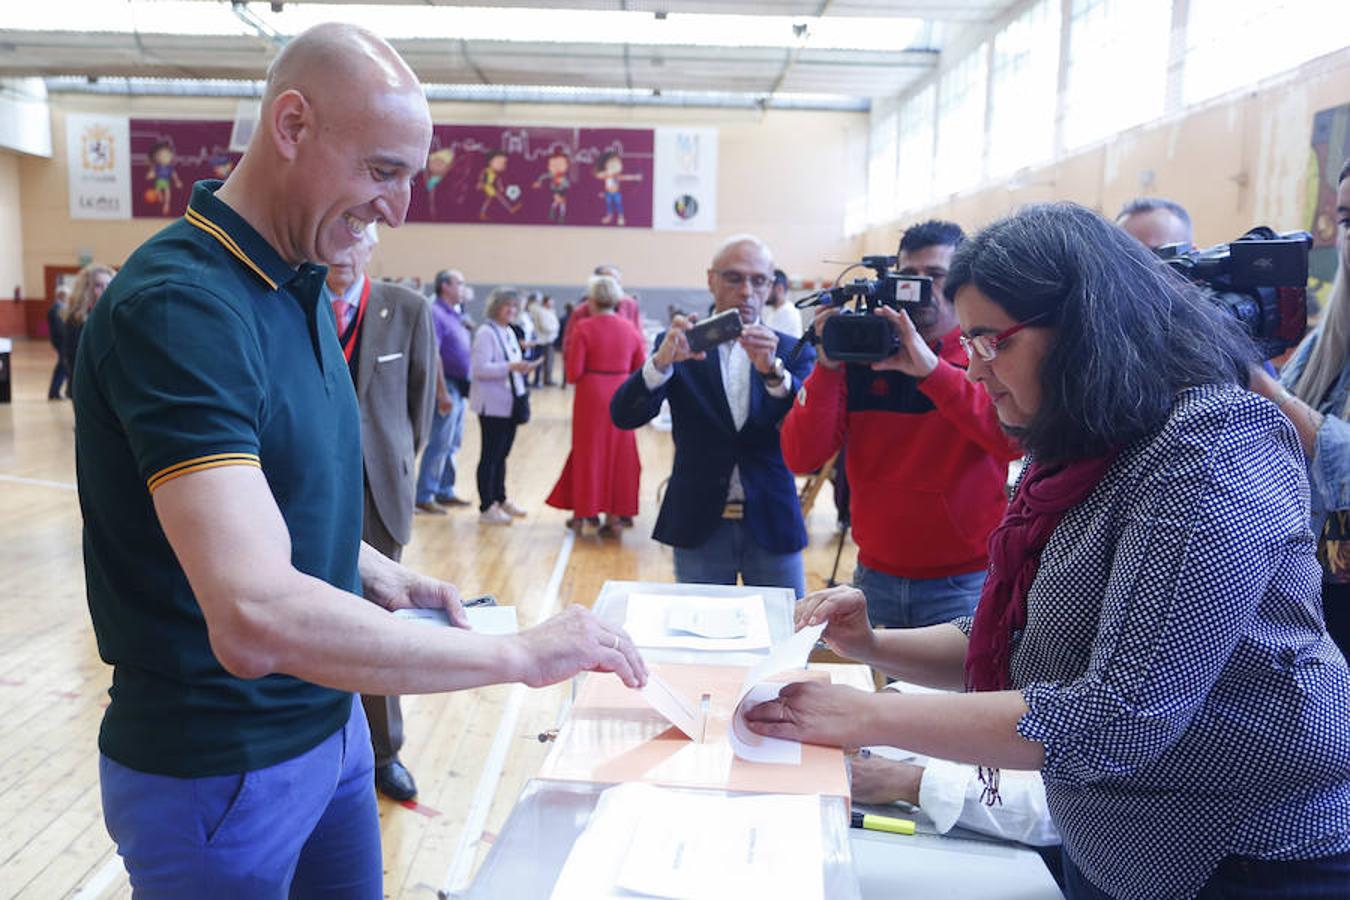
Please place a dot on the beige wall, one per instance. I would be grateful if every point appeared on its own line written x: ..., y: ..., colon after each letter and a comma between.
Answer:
x: 783, y: 175
x: 1239, y: 161
x: 11, y: 227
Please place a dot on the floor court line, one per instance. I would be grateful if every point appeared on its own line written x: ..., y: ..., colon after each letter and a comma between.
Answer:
x: 39, y: 482
x: 457, y: 877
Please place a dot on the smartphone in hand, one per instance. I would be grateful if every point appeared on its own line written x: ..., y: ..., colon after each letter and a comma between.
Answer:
x: 714, y: 330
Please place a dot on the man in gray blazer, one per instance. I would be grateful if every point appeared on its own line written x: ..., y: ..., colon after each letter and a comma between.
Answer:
x: 386, y: 334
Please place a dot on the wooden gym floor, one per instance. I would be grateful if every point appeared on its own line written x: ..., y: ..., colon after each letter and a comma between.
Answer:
x: 53, y: 686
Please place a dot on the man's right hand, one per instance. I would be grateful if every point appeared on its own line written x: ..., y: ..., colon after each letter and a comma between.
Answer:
x: 674, y: 346
x: 574, y: 641
x: 818, y: 323
x: 848, y: 632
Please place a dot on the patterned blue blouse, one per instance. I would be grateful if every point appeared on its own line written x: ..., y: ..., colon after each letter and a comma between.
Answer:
x: 1175, y: 662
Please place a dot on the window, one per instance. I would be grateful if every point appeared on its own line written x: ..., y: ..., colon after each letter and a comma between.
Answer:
x: 1117, y: 66
x: 881, y: 149
x: 1234, y: 43
x: 914, y: 169
x: 962, y: 91
x: 1023, y: 90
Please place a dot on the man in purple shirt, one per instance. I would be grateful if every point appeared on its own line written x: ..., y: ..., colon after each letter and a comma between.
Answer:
x: 436, y: 477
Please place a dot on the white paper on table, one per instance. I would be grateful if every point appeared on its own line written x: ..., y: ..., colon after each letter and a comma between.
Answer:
x: 672, y: 705
x: 482, y: 619
x: 790, y: 654
x: 720, y: 621
x: 697, y: 623
x: 656, y: 842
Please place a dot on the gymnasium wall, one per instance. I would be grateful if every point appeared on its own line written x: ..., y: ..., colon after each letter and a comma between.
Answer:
x: 1237, y: 161
x: 784, y: 175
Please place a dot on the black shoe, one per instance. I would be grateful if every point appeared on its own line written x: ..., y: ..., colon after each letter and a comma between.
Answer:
x: 395, y: 781
x: 451, y: 500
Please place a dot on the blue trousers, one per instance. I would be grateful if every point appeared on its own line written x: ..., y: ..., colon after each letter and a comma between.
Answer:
x: 730, y: 551
x: 894, y: 602
x: 306, y: 827
x: 436, y: 474
x: 1243, y: 878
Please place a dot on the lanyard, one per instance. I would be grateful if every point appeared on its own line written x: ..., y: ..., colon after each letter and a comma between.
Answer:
x: 349, y: 345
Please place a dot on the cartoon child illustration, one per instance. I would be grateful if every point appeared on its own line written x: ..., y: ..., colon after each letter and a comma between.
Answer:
x: 161, y: 170
x: 488, y: 183
x: 559, y: 164
x: 438, y: 165
x: 609, y: 169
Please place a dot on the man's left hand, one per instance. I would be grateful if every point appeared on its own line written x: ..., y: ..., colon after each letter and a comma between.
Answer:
x: 393, y: 586
x: 914, y: 357
x: 761, y: 345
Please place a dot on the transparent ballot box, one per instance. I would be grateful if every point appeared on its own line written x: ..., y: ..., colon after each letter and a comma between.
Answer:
x: 532, y: 850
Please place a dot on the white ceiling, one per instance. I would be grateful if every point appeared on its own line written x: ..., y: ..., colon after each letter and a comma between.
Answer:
x: 764, y: 72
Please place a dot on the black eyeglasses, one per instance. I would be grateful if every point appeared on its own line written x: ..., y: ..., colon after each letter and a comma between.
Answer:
x: 736, y: 279
x: 985, y: 346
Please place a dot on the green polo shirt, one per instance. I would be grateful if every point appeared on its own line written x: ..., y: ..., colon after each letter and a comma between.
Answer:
x: 209, y: 350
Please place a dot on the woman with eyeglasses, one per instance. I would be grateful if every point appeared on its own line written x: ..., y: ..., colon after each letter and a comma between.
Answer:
x: 1150, y: 635
x: 1314, y: 392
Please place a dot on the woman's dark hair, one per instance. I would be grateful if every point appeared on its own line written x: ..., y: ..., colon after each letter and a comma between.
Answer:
x: 1129, y: 333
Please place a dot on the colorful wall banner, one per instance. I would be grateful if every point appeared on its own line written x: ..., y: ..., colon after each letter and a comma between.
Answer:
x: 514, y: 175
x: 98, y: 166
x: 685, y: 192
x: 475, y: 174
x: 168, y: 156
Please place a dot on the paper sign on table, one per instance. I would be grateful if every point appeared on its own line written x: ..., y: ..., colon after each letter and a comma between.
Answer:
x: 722, y: 621
x: 697, y: 623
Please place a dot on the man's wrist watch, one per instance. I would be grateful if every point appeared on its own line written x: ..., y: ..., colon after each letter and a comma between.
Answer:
x: 776, y: 374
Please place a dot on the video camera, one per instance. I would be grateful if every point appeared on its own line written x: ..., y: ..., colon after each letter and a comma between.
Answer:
x: 1261, y: 279
x: 859, y: 334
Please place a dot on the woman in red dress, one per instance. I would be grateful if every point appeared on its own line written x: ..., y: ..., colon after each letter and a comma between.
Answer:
x: 601, y: 473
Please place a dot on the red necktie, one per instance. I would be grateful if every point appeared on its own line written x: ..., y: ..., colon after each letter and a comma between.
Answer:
x: 342, y: 312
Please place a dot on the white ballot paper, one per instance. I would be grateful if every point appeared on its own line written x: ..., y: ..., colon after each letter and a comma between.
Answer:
x: 673, y: 706
x: 685, y: 715
x: 697, y: 623
x: 482, y: 619
x: 790, y: 654
x: 647, y: 841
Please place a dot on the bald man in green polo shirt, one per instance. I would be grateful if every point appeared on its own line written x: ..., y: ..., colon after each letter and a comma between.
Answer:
x: 219, y: 463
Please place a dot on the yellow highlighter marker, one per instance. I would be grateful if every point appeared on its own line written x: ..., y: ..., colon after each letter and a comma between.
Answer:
x: 882, y: 823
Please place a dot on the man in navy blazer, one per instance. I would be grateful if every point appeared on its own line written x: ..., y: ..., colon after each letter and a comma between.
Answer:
x: 731, y: 505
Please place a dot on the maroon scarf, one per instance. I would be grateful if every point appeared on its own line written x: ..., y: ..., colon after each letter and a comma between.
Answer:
x: 1045, y: 494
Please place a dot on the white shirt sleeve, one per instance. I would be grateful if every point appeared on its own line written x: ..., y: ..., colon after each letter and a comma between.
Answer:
x: 949, y: 793
x: 654, y: 377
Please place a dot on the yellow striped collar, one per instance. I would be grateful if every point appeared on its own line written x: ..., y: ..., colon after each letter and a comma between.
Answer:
x: 205, y: 224
x: 240, y: 239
